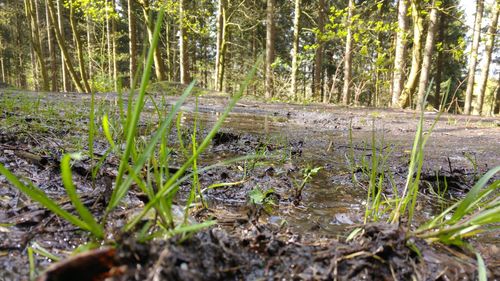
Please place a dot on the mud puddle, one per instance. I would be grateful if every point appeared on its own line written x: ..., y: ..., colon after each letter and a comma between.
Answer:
x: 290, y: 238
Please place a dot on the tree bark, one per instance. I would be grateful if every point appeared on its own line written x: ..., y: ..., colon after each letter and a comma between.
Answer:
x: 426, y: 63
x: 440, y: 62
x: 36, y: 42
x: 269, y: 48
x: 61, y: 37
x: 62, y: 47
x: 488, y: 50
x: 473, y: 57
x: 348, y: 56
x: 52, y: 50
x: 221, y: 44
x: 79, y: 47
x: 132, y: 41
x: 399, y: 60
x: 318, y: 55
x: 295, y: 52
x: 113, y: 44
x: 411, y: 82
x: 183, y: 46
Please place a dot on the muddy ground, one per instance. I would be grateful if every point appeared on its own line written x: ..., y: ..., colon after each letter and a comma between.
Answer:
x: 297, y: 238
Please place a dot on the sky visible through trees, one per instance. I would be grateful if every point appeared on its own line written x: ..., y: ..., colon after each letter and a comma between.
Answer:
x: 385, y: 53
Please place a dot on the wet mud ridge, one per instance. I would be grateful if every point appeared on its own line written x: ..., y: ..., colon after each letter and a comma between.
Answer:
x: 276, y: 218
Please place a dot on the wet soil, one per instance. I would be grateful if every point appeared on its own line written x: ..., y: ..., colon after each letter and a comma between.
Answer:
x: 297, y: 238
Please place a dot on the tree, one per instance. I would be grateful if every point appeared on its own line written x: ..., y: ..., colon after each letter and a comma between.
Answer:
x: 269, y: 48
x: 31, y: 14
x: 488, y: 50
x: 318, y: 54
x: 411, y: 82
x: 295, y: 51
x: 146, y: 6
x: 183, y: 45
x: 426, y: 63
x: 221, y: 44
x: 132, y: 40
x: 79, y: 48
x: 473, y: 56
x: 399, y: 60
x: 348, y: 55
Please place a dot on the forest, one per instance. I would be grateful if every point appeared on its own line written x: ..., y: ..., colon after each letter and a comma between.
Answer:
x: 372, y: 53
x: 249, y: 140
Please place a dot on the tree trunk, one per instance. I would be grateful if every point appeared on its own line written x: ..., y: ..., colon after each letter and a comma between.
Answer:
x: 183, y: 46
x: 411, y: 82
x: 269, y: 48
x: 113, y: 43
x: 488, y: 50
x: 61, y: 37
x: 62, y: 47
x: 132, y: 41
x: 108, y: 40
x: 318, y: 55
x: 440, y: 61
x: 89, y: 47
x: 399, y: 60
x: 473, y: 57
x: 52, y: 50
x: 426, y: 64
x: 295, y: 52
x: 36, y: 42
x: 348, y: 56
x: 221, y: 44
x: 79, y: 48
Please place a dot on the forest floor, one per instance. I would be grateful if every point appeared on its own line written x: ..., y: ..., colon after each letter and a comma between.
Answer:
x: 297, y: 237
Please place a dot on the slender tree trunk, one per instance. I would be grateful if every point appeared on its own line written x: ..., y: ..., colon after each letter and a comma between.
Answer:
x: 132, y: 41
x: 473, y: 57
x: 183, y: 45
x: 113, y: 43
x: 411, y: 82
x: 79, y: 47
x: 269, y: 48
x: 318, y: 54
x: 61, y: 37
x: 426, y: 64
x: 2, y: 66
x: 399, y: 60
x: 89, y: 47
x: 348, y: 56
x: 64, y: 50
x: 108, y: 40
x: 295, y: 52
x: 52, y: 50
x: 36, y: 41
x: 220, y: 44
x: 488, y: 50
x: 439, y: 63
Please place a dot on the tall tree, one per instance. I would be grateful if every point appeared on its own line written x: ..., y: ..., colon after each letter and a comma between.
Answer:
x: 132, y: 40
x: 36, y: 44
x: 295, y: 51
x: 52, y: 49
x: 269, y: 48
x: 348, y: 55
x: 220, y: 44
x: 399, y: 60
x: 79, y: 47
x: 473, y: 56
x: 62, y: 46
x: 146, y: 6
x: 57, y: 26
x: 319, y: 53
x: 428, y: 49
x: 183, y: 44
x: 488, y: 50
x: 416, y: 60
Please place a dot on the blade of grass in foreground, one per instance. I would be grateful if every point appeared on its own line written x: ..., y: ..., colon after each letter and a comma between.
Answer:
x: 133, y: 119
x: 35, y: 194
x: 84, y: 213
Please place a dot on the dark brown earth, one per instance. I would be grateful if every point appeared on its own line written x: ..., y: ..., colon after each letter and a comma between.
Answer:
x: 296, y: 240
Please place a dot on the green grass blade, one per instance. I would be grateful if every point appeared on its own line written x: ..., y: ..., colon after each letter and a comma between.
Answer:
x: 39, y: 196
x: 107, y: 132
x: 84, y: 213
x: 122, y: 189
x: 134, y: 117
x: 481, y: 268
x: 467, y: 203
